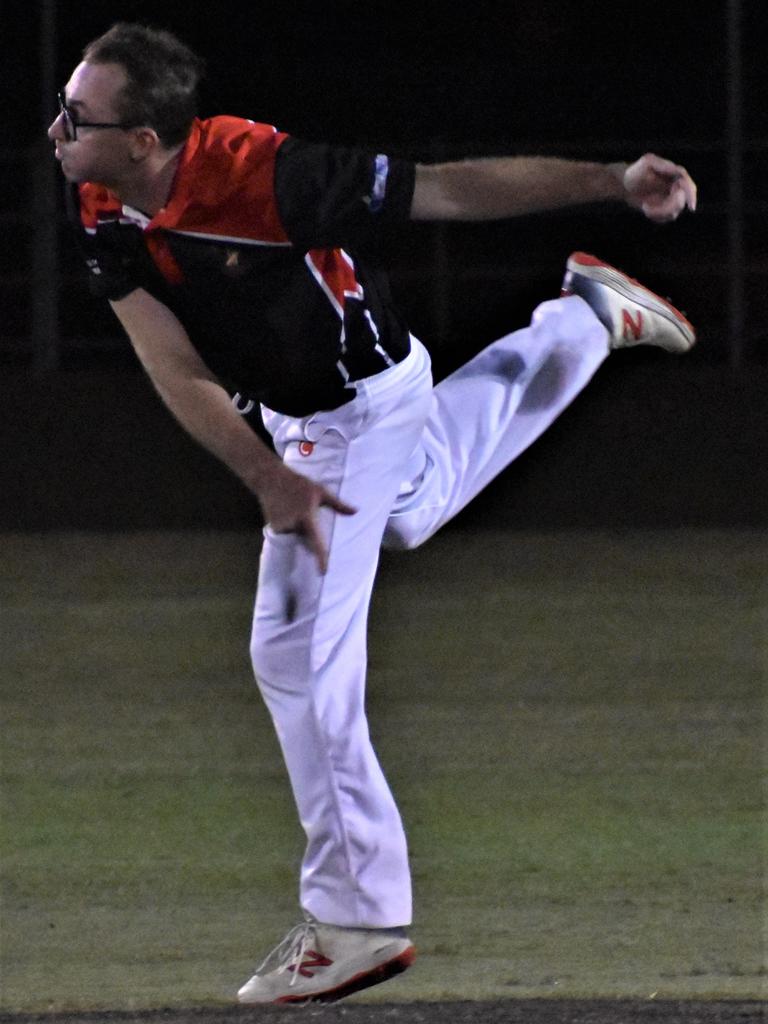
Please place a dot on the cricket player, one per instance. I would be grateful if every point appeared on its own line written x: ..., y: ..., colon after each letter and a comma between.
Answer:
x: 238, y: 259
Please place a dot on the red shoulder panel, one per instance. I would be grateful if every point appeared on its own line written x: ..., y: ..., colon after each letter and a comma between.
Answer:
x: 225, y: 182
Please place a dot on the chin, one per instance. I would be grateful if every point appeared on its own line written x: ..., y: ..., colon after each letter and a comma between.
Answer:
x: 69, y: 174
x: 72, y: 173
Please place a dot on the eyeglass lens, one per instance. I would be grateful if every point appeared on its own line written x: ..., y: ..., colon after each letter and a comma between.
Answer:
x: 70, y: 125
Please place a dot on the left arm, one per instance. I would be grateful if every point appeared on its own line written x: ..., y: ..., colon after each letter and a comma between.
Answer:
x: 499, y: 187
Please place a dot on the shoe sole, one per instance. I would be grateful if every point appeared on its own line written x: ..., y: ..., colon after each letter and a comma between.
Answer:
x: 382, y: 972
x: 597, y: 270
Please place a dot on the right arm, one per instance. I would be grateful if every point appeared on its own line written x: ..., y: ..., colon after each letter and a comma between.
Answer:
x: 499, y: 187
x: 203, y: 407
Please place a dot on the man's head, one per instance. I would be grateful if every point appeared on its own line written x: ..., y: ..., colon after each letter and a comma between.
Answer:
x: 134, y: 92
x: 161, y: 75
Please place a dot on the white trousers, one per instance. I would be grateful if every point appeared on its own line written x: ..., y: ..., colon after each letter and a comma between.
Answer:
x: 408, y: 457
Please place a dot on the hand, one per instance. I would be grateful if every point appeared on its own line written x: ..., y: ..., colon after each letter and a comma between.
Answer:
x: 290, y: 503
x: 658, y: 187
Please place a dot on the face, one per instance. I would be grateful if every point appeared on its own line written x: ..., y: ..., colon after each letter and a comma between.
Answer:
x: 102, y: 155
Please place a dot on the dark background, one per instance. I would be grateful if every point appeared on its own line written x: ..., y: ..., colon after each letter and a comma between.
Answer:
x: 655, y: 441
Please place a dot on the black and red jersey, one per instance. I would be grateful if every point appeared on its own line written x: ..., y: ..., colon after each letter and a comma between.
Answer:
x: 260, y: 252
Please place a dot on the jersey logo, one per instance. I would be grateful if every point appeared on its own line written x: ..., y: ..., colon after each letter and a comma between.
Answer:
x: 306, y: 448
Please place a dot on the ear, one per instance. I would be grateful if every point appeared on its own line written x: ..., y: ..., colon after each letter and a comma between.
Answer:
x: 143, y: 143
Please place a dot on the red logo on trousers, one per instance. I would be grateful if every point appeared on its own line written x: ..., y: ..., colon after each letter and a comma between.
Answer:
x: 306, y: 447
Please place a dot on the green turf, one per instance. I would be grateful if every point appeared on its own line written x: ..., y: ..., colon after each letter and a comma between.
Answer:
x: 572, y: 723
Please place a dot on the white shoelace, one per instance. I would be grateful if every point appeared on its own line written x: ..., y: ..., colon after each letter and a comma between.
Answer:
x: 290, y: 952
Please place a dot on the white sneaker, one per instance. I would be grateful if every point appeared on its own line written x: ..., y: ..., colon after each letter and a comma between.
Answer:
x: 322, y: 963
x: 632, y: 313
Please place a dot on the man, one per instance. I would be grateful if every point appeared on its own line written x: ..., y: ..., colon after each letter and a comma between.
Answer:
x: 235, y: 257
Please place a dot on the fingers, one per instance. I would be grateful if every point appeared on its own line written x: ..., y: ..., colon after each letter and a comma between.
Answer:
x: 306, y: 526
x: 669, y: 206
x: 688, y: 187
x: 682, y: 189
x: 311, y: 534
x: 331, y: 501
x: 661, y: 165
x: 314, y: 541
x: 663, y: 189
x: 290, y: 503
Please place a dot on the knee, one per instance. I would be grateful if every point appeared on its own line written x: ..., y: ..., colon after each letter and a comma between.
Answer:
x: 260, y: 659
x: 279, y: 664
x: 551, y: 379
x: 402, y: 534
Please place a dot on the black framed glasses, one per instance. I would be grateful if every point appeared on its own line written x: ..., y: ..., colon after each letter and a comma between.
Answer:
x: 71, y: 122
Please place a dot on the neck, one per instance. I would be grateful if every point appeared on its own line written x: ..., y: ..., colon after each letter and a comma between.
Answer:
x: 149, y: 188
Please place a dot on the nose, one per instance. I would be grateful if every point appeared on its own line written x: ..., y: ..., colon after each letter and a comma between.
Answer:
x: 56, y: 129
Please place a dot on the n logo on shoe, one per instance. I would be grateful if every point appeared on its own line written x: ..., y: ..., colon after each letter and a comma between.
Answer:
x: 312, y: 959
x: 632, y: 328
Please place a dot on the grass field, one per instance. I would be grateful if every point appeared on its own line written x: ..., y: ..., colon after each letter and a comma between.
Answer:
x: 573, y: 724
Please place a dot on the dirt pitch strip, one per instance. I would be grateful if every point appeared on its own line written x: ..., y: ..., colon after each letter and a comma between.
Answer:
x: 523, y: 1011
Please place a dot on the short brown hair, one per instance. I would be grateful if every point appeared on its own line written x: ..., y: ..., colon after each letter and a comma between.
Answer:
x: 163, y: 76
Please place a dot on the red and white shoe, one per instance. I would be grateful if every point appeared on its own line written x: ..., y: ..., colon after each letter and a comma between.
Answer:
x: 322, y: 963
x: 632, y: 313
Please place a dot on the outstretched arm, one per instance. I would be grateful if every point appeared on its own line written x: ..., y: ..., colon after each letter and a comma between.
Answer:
x: 202, y: 406
x: 498, y: 187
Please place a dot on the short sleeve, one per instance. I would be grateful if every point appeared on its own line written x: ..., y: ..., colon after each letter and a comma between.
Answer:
x: 332, y: 196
